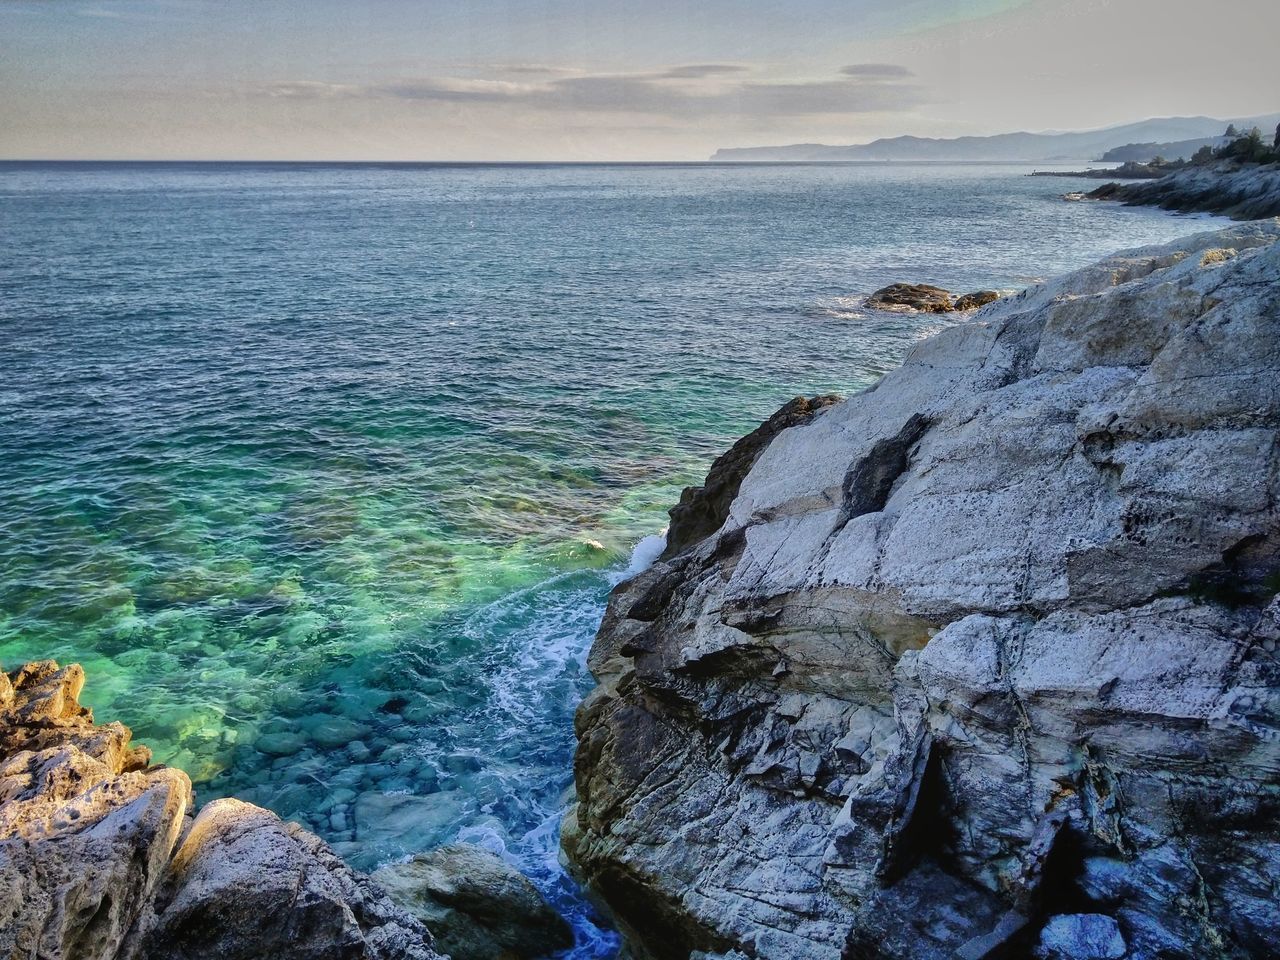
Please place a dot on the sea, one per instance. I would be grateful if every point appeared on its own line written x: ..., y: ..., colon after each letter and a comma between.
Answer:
x: 324, y: 471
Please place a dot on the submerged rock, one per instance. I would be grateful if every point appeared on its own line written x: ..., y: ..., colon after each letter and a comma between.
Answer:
x: 101, y: 859
x: 1081, y: 936
x: 478, y: 906
x: 981, y: 660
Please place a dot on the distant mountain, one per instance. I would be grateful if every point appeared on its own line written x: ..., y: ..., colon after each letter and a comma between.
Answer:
x: 1026, y: 147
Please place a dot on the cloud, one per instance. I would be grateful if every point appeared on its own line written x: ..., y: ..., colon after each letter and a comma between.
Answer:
x: 876, y: 71
x: 829, y: 97
x: 698, y: 71
x: 310, y: 90
x: 678, y: 92
x: 533, y: 69
x: 454, y: 90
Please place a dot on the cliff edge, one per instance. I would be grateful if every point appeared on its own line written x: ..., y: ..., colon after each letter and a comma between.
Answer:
x: 980, y: 662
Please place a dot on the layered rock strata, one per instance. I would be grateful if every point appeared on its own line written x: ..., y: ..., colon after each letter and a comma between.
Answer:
x: 103, y: 858
x: 980, y: 662
x: 1241, y: 191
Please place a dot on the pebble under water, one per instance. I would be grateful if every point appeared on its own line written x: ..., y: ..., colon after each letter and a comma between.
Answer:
x: 324, y: 471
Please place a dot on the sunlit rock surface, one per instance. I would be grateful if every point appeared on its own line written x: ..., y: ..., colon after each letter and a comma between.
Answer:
x: 982, y: 659
x: 100, y: 856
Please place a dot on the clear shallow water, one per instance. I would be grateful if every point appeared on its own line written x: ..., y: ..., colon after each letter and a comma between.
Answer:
x: 292, y: 455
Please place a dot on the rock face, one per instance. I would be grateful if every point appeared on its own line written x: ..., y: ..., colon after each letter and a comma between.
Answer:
x: 1241, y: 191
x: 703, y: 509
x: 981, y: 661
x: 101, y: 859
x: 478, y: 907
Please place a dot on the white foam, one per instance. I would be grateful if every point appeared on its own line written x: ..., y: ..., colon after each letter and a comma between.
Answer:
x: 644, y: 556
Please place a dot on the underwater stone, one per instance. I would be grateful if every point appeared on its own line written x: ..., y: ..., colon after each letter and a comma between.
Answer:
x: 280, y: 744
x: 1081, y: 936
x: 331, y: 732
x: 399, y: 815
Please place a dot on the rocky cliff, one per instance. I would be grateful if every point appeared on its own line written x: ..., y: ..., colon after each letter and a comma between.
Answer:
x: 980, y: 662
x: 101, y: 857
x: 1241, y: 191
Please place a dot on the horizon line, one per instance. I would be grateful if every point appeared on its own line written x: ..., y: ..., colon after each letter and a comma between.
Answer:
x: 544, y: 163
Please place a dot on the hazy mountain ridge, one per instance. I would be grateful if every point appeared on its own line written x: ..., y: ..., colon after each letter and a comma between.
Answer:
x: 1067, y: 147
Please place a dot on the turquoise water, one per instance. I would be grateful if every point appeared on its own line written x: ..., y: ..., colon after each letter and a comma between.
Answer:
x: 323, y: 472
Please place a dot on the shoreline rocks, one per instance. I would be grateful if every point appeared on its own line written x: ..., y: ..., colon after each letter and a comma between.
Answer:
x: 980, y: 660
x: 1239, y: 191
x: 925, y: 298
x: 102, y: 857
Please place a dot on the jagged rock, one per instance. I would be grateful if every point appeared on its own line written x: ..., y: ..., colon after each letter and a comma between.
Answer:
x: 245, y: 884
x: 100, y: 858
x: 85, y: 830
x: 923, y: 298
x: 478, y: 906
x: 703, y: 509
x: 990, y: 643
x: 979, y: 298
x: 920, y: 297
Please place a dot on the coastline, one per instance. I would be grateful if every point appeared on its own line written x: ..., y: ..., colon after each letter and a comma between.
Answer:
x: 1239, y: 191
x: 753, y: 458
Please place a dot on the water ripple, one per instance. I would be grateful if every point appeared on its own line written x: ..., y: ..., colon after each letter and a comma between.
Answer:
x: 323, y: 472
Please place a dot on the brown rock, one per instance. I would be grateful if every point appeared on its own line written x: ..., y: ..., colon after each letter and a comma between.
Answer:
x: 920, y: 297
x: 979, y: 298
x: 245, y: 885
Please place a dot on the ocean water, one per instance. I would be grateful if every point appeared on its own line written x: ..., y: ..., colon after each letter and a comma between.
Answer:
x: 324, y: 471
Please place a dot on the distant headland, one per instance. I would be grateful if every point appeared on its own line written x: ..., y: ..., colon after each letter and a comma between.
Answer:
x: 1140, y: 142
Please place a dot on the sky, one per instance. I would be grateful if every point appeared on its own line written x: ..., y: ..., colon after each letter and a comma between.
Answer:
x: 474, y: 80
